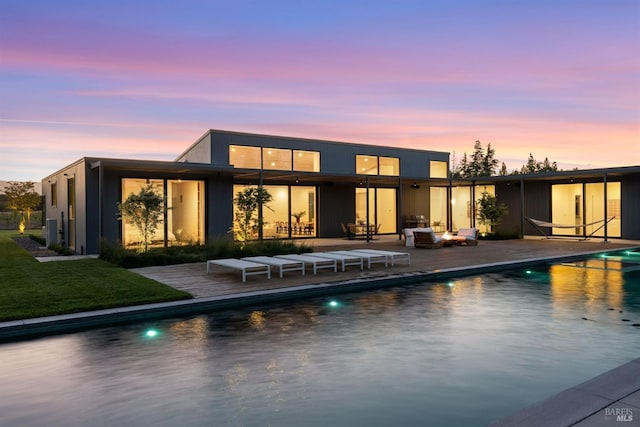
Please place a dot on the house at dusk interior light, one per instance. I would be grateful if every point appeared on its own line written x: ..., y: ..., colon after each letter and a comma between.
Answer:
x: 326, y: 184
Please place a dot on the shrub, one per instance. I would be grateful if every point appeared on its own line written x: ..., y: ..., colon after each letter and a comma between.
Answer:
x: 221, y: 248
x: 500, y: 235
x: 62, y: 250
x: 41, y: 240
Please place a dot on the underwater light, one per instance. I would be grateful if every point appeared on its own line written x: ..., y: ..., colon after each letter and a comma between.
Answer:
x: 334, y: 303
x: 450, y: 284
x: 151, y: 333
x: 528, y: 271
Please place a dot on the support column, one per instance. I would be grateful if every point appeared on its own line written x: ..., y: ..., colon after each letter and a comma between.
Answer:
x: 606, y: 214
x: 399, y: 210
x: 366, y: 230
x: 521, y: 208
x: 260, y: 217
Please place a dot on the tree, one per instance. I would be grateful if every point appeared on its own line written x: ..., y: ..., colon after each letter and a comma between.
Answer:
x: 247, y: 202
x: 22, y: 198
x: 145, y: 210
x: 546, y: 166
x: 530, y: 167
x: 490, y: 212
x: 534, y: 166
x: 489, y: 162
x: 503, y: 170
x: 481, y: 163
x: 461, y: 169
x: 477, y: 160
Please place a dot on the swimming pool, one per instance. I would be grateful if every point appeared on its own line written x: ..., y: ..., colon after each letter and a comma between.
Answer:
x: 461, y: 352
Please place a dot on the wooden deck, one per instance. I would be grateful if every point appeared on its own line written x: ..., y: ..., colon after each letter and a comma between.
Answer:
x: 194, y: 279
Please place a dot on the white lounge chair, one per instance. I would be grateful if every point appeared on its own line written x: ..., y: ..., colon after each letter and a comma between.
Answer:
x: 369, y: 257
x: 344, y: 260
x: 316, y: 262
x: 282, y: 264
x: 392, y: 256
x: 248, y: 268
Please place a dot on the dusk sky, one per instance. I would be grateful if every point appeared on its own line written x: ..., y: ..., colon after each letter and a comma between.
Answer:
x: 145, y: 79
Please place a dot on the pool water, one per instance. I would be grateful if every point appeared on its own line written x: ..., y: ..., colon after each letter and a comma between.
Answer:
x: 462, y: 352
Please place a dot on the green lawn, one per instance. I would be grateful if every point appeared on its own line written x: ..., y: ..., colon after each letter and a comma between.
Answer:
x: 29, y: 288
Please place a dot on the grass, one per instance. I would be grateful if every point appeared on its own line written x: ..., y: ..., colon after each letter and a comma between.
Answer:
x: 31, y: 289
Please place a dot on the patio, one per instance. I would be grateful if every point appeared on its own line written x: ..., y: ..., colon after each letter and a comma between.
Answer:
x: 194, y: 279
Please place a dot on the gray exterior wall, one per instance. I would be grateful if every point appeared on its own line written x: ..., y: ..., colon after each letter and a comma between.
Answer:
x: 336, y: 158
x: 219, y: 202
x: 199, y: 152
x: 61, y: 210
x: 630, y: 207
x: 336, y: 206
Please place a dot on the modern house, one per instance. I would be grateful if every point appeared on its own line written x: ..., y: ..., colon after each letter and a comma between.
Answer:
x: 316, y: 186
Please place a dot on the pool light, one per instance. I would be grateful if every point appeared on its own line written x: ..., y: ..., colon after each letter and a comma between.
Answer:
x: 450, y: 284
x: 151, y: 333
x: 528, y: 271
x: 334, y: 304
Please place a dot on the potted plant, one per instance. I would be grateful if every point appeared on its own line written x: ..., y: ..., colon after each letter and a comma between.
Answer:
x: 298, y: 215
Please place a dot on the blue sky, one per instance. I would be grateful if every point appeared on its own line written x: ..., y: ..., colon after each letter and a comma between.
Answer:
x: 144, y: 79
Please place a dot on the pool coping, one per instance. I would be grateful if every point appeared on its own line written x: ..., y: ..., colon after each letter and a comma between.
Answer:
x: 607, y: 399
x: 34, y: 327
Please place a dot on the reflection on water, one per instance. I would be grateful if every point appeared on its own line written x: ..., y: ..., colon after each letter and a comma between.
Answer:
x: 462, y: 352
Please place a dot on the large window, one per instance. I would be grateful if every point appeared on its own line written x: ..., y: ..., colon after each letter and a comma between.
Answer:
x: 184, y: 215
x: 578, y: 204
x: 382, y: 208
x: 291, y: 212
x: 276, y: 159
x: 438, y: 208
x: 374, y: 165
x: 185, y: 211
x: 461, y: 209
x: 438, y: 169
x: 245, y: 157
x: 479, y: 191
x: 306, y: 161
